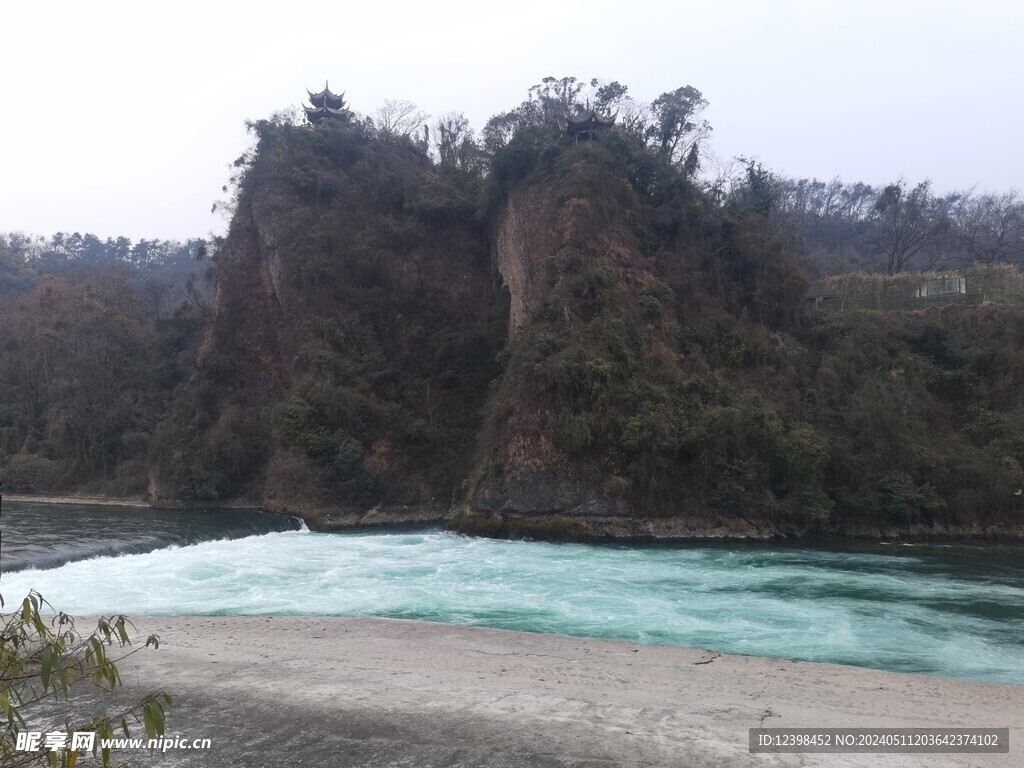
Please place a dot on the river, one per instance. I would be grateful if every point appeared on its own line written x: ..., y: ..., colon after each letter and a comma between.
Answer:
x: 955, y: 610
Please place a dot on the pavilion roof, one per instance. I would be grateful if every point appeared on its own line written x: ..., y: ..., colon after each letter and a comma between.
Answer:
x: 587, y: 121
x: 316, y: 114
x: 326, y: 98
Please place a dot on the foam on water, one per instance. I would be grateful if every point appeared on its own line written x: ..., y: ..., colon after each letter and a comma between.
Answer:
x: 903, y: 611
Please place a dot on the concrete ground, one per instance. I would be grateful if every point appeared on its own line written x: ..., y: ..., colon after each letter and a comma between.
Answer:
x: 311, y: 691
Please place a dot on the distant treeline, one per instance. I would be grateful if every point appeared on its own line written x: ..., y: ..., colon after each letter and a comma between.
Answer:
x: 164, y: 273
x: 837, y: 227
x: 63, y: 248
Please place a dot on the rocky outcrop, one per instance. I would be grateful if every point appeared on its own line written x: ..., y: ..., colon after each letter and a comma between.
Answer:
x: 545, y: 238
x: 649, y: 376
x: 354, y: 331
x: 529, y: 233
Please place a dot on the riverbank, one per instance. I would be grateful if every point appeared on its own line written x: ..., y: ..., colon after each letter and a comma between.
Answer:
x: 92, y: 500
x: 680, y: 529
x: 85, y: 500
x: 594, y: 529
x: 326, y: 519
x: 288, y: 691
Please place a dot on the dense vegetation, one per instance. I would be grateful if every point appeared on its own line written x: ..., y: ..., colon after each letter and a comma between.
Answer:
x: 530, y: 327
x: 683, y: 375
x: 95, y: 336
x: 353, y: 370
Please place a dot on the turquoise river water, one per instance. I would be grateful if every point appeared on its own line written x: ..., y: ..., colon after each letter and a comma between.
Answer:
x: 955, y: 610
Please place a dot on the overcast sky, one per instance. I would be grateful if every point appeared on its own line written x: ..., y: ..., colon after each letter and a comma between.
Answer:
x: 122, y: 118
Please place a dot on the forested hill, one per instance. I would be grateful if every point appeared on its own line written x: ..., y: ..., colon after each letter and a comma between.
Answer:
x: 94, y: 337
x: 530, y: 334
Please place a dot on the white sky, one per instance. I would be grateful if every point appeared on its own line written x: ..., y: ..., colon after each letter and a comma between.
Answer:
x: 123, y: 117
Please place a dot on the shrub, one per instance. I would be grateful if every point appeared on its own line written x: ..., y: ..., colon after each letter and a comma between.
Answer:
x: 904, y: 501
x: 45, y: 662
x: 650, y: 307
x: 30, y: 473
x: 813, y: 505
x: 573, y: 432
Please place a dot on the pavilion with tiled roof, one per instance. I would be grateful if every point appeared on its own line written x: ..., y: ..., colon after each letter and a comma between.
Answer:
x: 326, y: 104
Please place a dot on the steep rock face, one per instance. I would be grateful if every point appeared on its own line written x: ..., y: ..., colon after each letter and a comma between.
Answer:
x: 355, y: 329
x: 549, y: 235
x: 529, y: 231
x: 534, y: 477
x: 222, y: 425
x: 674, y: 390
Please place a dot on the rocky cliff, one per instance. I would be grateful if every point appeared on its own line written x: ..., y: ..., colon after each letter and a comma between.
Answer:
x: 664, y: 383
x: 579, y: 344
x: 357, y: 322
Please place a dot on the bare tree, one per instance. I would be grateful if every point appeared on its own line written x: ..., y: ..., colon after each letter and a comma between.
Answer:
x: 990, y: 228
x: 156, y: 295
x: 908, y: 224
x: 455, y: 144
x: 722, y: 176
x: 397, y: 118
